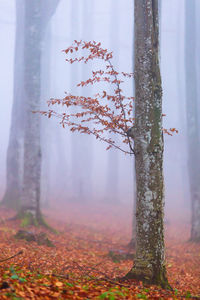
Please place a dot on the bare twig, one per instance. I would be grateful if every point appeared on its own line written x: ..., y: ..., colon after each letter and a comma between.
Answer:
x: 122, y: 107
x: 5, y: 259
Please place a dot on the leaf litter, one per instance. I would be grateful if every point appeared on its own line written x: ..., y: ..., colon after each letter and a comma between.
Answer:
x: 81, y: 265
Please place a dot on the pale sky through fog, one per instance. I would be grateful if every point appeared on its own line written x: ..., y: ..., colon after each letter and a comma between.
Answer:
x: 98, y: 28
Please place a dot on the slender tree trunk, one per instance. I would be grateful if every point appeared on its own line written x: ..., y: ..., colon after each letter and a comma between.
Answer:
x: 149, y: 263
x: 82, y: 156
x: 45, y: 128
x: 76, y: 143
x: 133, y: 238
x: 86, y: 165
x: 192, y: 118
x: 112, y: 174
x: 15, y: 147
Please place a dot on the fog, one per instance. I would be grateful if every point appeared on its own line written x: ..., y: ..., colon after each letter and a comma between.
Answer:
x: 76, y: 167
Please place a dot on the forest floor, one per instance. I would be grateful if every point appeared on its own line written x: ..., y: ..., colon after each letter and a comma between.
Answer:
x: 89, y: 252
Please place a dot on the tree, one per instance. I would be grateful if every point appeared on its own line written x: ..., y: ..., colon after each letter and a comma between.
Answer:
x: 15, y: 147
x: 192, y: 119
x: 146, y: 131
x: 24, y: 154
x: 81, y: 148
x: 149, y: 263
x: 30, y: 199
x: 37, y: 15
x: 112, y: 170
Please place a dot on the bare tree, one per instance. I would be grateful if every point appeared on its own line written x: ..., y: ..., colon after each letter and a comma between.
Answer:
x: 149, y: 263
x: 192, y: 118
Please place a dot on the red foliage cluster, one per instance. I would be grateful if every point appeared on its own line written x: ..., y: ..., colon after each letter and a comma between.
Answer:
x: 104, y: 113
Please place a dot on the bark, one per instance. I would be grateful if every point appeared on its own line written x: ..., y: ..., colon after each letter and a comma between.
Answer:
x: 32, y: 69
x: 81, y: 146
x: 46, y: 130
x: 192, y: 119
x: 149, y: 263
x: 112, y: 178
x: 132, y: 243
x: 21, y: 116
x: 14, y: 170
x: 35, y: 24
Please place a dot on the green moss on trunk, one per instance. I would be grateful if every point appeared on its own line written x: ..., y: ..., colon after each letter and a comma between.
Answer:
x: 148, y: 276
x: 29, y: 219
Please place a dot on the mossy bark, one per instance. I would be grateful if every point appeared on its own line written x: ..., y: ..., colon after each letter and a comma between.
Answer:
x: 149, y: 264
x: 29, y: 217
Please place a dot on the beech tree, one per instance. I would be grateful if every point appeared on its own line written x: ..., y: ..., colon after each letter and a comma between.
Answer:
x: 81, y: 147
x: 37, y: 14
x: 112, y: 168
x: 14, y: 169
x: 142, y: 135
x: 95, y: 116
x: 192, y: 118
x: 149, y: 263
x: 24, y: 154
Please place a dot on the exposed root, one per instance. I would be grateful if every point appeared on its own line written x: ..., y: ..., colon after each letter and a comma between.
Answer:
x: 159, y: 280
x: 28, y: 219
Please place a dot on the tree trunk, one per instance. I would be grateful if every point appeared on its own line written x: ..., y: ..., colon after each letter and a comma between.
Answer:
x: 81, y: 146
x: 132, y: 243
x: 23, y: 88
x: 36, y: 18
x: 192, y: 118
x: 32, y: 71
x: 149, y: 263
x: 15, y: 147
x: 112, y: 172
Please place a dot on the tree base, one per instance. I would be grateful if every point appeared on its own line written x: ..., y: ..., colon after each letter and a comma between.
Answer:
x: 159, y: 279
x: 132, y: 244
x: 40, y: 239
x: 194, y: 240
x: 29, y: 219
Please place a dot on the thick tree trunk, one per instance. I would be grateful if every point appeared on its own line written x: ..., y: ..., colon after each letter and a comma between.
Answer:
x: 36, y: 18
x: 15, y: 147
x: 24, y: 97
x: 192, y: 118
x: 149, y: 264
x: 32, y: 150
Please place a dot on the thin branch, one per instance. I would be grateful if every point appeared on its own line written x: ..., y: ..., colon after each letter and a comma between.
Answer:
x: 122, y: 107
x: 5, y: 259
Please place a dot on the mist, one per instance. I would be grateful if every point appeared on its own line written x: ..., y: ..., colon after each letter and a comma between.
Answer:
x: 76, y: 179
x: 90, y: 176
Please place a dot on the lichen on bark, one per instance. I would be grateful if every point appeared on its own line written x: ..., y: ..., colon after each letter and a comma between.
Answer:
x: 149, y: 264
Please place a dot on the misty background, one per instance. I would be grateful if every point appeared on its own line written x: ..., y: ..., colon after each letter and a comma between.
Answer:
x: 76, y: 167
